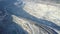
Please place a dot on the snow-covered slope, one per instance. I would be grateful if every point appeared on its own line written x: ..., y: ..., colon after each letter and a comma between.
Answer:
x: 44, y: 11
